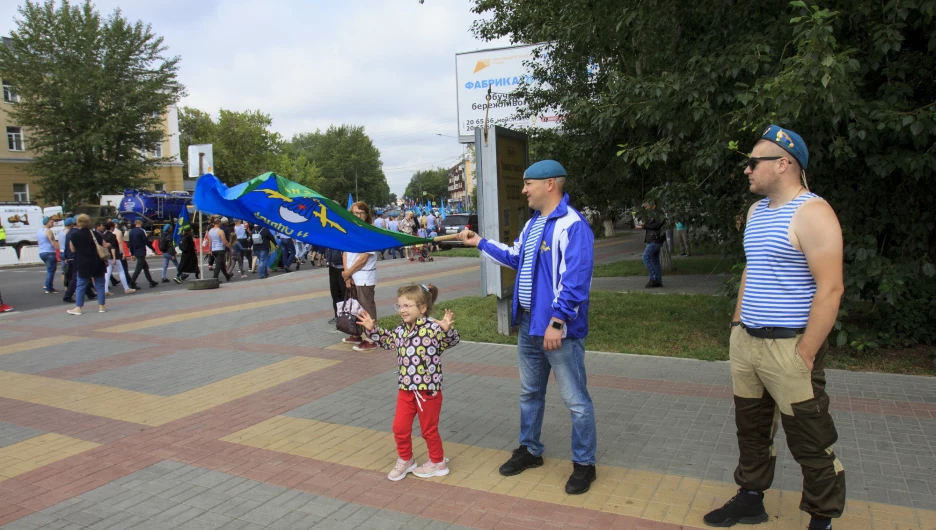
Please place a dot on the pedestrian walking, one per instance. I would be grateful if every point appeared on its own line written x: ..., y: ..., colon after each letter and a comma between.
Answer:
x: 264, y: 241
x: 682, y: 236
x: 138, y: 245
x: 91, y: 268
x: 219, y: 247
x: 188, y: 260
x: 109, y: 236
x: 654, y: 238
x: 167, y: 247
x: 48, y: 245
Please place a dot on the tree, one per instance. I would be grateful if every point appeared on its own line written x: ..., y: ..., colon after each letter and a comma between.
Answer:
x: 682, y: 97
x: 348, y: 161
x: 392, y: 199
x: 243, y: 146
x: 428, y: 184
x: 93, y: 93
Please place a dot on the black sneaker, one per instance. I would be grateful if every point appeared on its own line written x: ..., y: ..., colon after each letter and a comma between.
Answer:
x: 819, y: 523
x: 165, y: 280
x: 68, y: 300
x: 747, y: 507
x: 154, y: 284
x: 581, y: 479
x: 520, y: 460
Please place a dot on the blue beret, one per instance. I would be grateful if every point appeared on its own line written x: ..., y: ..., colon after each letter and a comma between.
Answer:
x: 790, y: 142
x: 544, y: 169
x: 69, y: 221
x: 46, y: 219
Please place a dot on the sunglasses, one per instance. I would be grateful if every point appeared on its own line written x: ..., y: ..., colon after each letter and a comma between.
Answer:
x: 753, y: 161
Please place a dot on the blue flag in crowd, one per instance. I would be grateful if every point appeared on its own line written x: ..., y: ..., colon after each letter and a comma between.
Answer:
x: 299, y: 212
x: 350, y: 202
x: 442, y: 210
x: 182, y: 225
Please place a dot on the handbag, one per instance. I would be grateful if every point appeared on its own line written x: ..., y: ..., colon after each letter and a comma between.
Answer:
x: 346, y: 321
x: 102, y: 252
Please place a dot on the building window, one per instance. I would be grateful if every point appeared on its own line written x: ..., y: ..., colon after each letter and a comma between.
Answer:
x: 9, y: 95
x: 159, y: 187
x: 15, y: 138
x: 157, y: 151
x: 21, y: 192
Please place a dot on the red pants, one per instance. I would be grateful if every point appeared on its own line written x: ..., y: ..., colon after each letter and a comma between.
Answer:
x: 406, y: 410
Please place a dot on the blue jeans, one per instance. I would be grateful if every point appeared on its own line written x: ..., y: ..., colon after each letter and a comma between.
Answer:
x: 568, y: 363
x: 50, y: 265
x: 289, y: 253
x: 99, y: 284
x: 651, y: 259
x: 167, y: 258
x: 263, y: 258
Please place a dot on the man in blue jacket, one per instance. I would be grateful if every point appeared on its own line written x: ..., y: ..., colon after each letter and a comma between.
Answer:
x: 553, y: 257
x: 138, y: 244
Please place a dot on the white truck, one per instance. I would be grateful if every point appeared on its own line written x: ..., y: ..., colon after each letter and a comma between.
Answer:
x: 22, y: 222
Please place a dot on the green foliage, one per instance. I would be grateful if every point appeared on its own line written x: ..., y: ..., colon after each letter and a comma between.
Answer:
x: 93, y: 93
x: 673, y: 102
x: 242, y: 144
x: 349, y: 163
x: 431, y: 184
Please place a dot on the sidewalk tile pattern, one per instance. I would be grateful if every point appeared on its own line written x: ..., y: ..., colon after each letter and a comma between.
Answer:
x: 240, y: 409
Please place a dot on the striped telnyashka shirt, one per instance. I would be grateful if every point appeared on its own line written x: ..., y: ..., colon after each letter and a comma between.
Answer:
x: 779, y: 289
x: 530, y: 246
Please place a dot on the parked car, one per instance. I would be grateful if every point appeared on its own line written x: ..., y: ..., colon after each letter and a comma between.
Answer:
x: 455, y: 223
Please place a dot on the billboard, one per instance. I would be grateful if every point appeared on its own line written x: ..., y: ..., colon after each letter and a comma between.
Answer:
x: 200, y: 160
x: 501, y: 69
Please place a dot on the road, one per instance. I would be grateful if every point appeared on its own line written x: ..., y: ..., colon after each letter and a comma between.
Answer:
x: 22, y: 287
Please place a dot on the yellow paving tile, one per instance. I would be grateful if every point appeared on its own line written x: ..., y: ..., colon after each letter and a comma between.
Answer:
x: 148, y: 409
x: 37, y: 343
x: 645, y: 494
x: 37, y: 452
x: 249, y: 306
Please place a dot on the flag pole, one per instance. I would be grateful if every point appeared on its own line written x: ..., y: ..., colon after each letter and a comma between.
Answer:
x: 201, y: 245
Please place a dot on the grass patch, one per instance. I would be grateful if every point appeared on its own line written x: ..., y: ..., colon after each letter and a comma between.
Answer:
x: 684, y: 266
x: 470, y: 252
x: 690, y: 326
x: 672, y: 325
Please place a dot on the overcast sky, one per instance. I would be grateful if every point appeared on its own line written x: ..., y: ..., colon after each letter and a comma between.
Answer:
x: 388, y: 65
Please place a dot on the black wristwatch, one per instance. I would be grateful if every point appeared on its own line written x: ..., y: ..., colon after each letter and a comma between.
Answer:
x: 556, y: 325
x: 733, y: 324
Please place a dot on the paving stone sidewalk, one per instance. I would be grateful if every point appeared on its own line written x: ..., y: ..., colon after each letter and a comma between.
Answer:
x: 240, y: 409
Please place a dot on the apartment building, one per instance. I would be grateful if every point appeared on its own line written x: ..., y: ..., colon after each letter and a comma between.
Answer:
x: 17, y: 185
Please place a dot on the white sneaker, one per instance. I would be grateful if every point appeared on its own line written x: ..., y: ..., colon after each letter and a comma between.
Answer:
x: 401, y: 468
x: 431, y: 469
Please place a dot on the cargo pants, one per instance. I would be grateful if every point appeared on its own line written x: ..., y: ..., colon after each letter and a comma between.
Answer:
x: 771, y: 381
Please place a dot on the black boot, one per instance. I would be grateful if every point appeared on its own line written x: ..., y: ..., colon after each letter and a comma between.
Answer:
x: 747, y: 507
x: 581, y: 479
x: 520, y: 459
x: 820, y: 523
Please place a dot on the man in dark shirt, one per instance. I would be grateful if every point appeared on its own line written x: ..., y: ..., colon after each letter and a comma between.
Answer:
x: 69, y: 270
x: 138, y: 243
x: 262, y: 251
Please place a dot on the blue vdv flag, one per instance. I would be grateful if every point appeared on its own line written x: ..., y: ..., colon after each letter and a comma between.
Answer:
x: 442, y: 210
x: 182, y: 225
x: 299, y: 212
x: 350, y: 202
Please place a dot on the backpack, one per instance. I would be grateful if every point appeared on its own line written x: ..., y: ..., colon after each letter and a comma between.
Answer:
x: 165, y: 241
x: 257, y: 237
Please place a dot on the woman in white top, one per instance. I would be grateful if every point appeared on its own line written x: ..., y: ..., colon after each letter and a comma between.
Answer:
x: 219, y: 244
x: 360, y: 272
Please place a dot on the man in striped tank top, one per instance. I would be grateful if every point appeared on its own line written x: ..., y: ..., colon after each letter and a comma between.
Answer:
x: 788, y: 303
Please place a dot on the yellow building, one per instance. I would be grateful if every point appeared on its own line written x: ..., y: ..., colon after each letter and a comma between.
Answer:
x: 17, y: 185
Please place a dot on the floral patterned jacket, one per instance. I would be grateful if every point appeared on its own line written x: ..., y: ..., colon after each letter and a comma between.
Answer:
x: 419, y: 352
